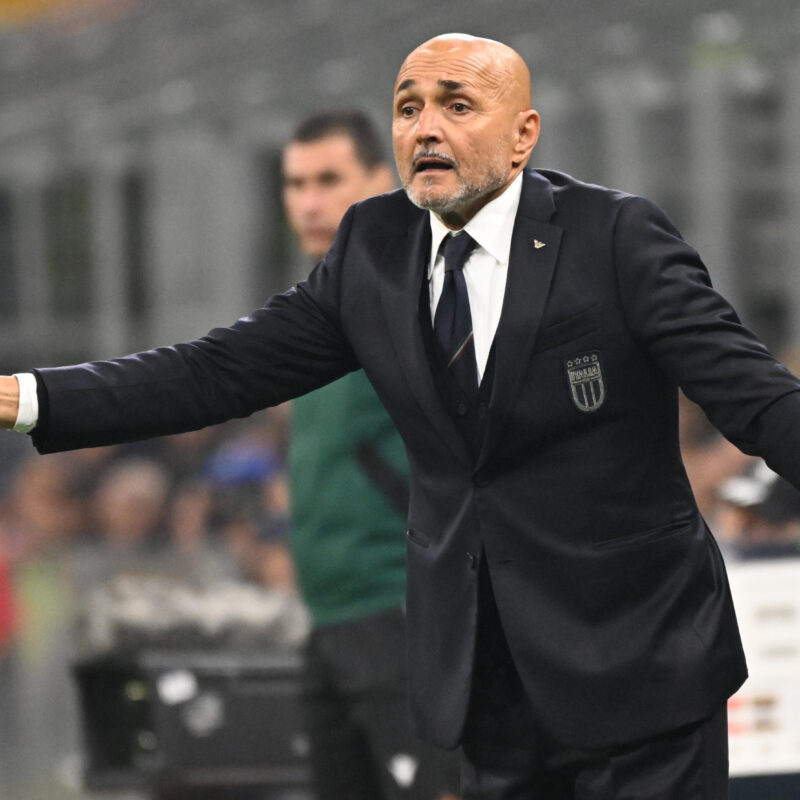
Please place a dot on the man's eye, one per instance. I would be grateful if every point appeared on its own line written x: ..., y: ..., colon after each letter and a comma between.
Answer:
x: 460, y: 108
x: 407, y: 111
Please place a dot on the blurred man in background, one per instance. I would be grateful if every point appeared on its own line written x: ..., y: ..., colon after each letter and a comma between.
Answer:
x: 759, y: 515
x: 349, y: 486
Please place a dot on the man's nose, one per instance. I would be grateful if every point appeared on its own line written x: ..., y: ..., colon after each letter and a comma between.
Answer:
x: 310, y: 200
x: 429, y: 126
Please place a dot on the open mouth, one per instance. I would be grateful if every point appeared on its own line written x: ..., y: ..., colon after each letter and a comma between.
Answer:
x: 432, y: 164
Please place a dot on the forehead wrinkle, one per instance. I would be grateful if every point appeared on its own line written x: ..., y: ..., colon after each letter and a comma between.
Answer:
x: 486, y: 68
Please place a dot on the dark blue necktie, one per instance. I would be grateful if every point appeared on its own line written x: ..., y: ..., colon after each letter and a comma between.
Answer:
x: 452, y: 322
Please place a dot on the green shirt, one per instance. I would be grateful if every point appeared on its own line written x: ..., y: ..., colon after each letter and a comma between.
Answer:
x: 347, y: 536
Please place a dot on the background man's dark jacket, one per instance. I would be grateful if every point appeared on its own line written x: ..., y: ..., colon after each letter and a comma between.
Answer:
x: 611, y: 591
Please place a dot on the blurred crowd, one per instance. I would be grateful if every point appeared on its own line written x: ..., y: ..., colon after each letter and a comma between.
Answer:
x: 199, y: 510
x: 211, y: 508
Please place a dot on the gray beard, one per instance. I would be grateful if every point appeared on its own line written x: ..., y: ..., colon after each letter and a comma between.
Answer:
x: 463, y: 198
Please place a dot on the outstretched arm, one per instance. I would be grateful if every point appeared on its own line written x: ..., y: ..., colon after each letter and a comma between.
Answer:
x: 697, y: 338
x: 292, y: 345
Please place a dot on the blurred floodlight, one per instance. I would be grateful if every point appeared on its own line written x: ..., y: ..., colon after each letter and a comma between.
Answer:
x: 751, y: 78
x: 719, y: 27
x: 653, y: 90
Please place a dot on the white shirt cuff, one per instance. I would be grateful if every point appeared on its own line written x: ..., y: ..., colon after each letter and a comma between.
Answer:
x: 28, y: 413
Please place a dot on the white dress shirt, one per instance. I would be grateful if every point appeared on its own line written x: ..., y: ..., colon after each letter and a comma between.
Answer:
x: 485, y: 273
x: 28, y: 411
x: 486, y: 268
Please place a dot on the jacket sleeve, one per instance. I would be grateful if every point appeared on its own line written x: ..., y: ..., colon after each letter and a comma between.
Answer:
x: 696, y: 337
x: 290, y: 346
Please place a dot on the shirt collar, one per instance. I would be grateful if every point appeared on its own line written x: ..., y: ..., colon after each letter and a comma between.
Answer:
x: 491, y: 227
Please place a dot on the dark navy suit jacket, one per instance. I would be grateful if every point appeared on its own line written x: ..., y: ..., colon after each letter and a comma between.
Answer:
x: 611, y: 590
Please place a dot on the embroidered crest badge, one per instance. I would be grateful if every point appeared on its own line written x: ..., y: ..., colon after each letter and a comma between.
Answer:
x: 586, y: 381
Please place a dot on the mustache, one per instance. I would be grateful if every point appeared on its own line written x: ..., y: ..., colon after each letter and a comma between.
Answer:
x: 428, y: 154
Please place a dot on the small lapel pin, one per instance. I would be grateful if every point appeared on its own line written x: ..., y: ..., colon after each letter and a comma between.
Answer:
x: 537, y: 244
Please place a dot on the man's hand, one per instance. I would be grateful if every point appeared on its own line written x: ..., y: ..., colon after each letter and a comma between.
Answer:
x: 9, y: 400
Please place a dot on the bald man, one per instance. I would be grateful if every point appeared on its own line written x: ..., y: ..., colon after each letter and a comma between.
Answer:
x: 569, y: 618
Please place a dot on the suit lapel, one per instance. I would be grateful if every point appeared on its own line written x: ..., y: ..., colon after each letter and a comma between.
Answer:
x: 403, y: 270
x: 534, y: 251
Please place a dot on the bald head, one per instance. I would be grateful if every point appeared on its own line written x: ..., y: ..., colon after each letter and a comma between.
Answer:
x: 501, y: 65
x: 463, y: 126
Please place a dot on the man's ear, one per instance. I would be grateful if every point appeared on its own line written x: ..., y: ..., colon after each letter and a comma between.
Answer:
x: 528, y: 125
x: 381, y: 179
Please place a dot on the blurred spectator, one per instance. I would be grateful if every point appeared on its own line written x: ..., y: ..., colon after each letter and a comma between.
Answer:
x: 42, y: 519
x: 129, y: 504
x: 759, y: 515
x: 204, y: 509
x: 250, y: 499
x: 127, y: 513
x: 195, y: 550
x: 41, y: 511
x: 188, y: 520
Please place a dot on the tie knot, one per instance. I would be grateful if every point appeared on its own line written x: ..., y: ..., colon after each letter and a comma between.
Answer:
x: 456, y: 250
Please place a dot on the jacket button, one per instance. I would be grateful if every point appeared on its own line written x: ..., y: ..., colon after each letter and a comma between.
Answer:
x: 462, y: 410
x: 472, y: 560
x: 481, y: 410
